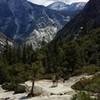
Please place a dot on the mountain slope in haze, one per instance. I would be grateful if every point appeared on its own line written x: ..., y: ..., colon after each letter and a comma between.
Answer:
x: 19, y: 18
x: 55, y: 23
x: 26, y: 22
x: 61, y: 6
x: 58, y: 6
x: 85, y: 21
x: 77, y: 6
x: 68, y: 9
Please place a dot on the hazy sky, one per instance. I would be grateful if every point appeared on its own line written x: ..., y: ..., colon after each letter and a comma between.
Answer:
x: 47, y: 2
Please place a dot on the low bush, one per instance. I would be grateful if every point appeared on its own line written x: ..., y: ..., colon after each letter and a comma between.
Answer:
x: 82, y: 96
x: 90, y: 84
x: 19, y: 89
x: 89, y: 70
x: 14, y: 87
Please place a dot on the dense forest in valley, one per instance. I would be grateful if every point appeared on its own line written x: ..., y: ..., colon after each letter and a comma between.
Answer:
x: 62, y: 59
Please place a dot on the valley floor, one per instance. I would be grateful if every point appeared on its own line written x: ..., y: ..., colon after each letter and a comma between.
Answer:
x: 62, y: 92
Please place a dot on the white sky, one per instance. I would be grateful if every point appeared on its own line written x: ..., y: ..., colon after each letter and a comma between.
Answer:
x: 47, y: 2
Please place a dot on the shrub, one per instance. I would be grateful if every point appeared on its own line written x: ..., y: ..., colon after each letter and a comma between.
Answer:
x: 19, y: 89
x: 9, y: 86
x: 82, y: 96
x: 91, y: 84
x: 81, y: 84
x: 14, y: 87
x: 90, y: 69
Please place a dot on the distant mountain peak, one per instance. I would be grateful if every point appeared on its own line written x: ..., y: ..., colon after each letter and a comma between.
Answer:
x: 61, y: 6
x: 57, y: 5
x: 59, y: 2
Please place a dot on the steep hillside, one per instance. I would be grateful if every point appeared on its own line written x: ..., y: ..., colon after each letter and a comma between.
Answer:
x: 86, y: 20
x: 19, y: 18
x: 78, y: 43
x: 69, y: 9
x: 26, y: 22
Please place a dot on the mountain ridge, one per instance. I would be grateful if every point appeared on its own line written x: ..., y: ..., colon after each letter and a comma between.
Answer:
x: 86, y: 20
x: 30, y: 23
x: 22, y: 17
x: 61, y: 6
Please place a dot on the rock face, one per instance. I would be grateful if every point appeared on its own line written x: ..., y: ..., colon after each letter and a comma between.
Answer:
x: 85, y: 21
x: 43, y: 34
x: 3, y: 40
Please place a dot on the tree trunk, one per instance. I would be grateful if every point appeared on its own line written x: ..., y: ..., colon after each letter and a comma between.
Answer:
x: 32, y: 90
x: 31, y: 94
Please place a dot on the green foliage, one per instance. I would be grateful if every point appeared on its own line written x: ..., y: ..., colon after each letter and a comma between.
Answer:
x: 90, y: 69
x: 73, y: 54
x: 20, y: 72
x: 82, y: 96
x: 17, y: 65
x: 63, y: 58
x: 90, y: 84
x: 37, y: 69
x: 19, y: 89
x: 14, y: 87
